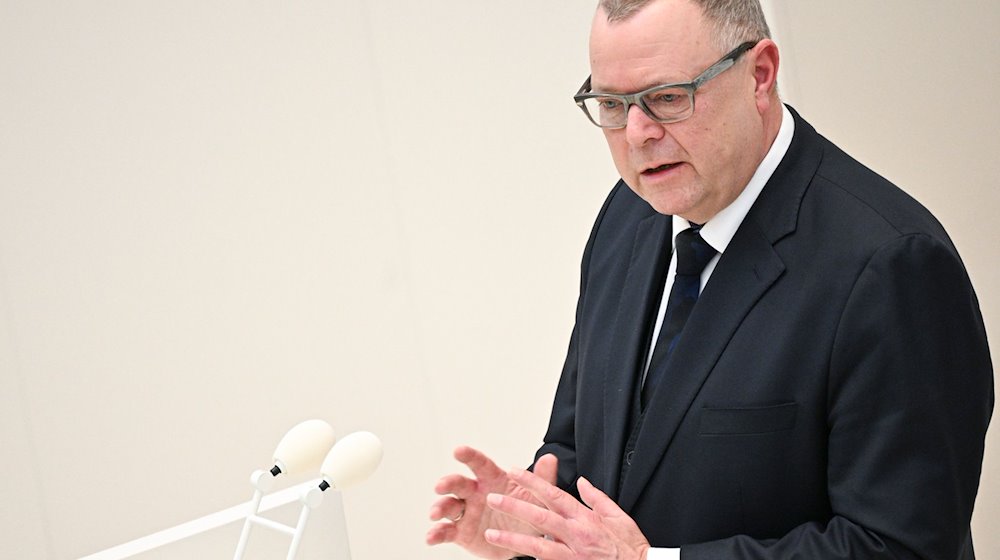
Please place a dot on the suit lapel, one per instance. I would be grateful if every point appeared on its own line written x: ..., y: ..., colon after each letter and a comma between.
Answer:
x: 738, y: 281
x: 637, y: 306
x: 745, y: 271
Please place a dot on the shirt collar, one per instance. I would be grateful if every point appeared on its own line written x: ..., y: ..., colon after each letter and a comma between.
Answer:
x: 719, y: 231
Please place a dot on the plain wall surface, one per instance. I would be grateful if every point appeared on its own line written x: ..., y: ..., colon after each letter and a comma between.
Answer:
x: 218, y: 219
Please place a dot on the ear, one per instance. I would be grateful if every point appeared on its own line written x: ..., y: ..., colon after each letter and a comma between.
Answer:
x: 765, y: 73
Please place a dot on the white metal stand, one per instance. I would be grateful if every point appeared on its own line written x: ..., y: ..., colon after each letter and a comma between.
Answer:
x: 262, y: 481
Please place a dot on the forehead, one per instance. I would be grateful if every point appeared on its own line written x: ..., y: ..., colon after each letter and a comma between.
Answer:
x: 666, y: 41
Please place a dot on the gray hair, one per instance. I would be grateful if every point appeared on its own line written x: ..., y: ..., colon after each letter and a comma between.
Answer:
x: 734, y: 21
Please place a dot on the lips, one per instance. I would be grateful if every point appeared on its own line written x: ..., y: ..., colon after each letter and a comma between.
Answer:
x: 659, y: 168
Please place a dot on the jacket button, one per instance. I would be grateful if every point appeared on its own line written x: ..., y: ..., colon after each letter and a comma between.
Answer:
x: 628, y: 457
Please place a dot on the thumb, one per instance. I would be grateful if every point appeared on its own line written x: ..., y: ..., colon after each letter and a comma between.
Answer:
x: 547, y: 468
x: 597, y: 500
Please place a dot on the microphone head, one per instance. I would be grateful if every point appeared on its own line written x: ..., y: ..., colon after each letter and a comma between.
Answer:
x: 353, y: 459
x: 302, y: 449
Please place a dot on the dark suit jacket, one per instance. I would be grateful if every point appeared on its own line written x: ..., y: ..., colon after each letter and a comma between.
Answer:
x: 831, y: 391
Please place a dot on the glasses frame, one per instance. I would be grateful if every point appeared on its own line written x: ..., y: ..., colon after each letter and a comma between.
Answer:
x: 629, y: 99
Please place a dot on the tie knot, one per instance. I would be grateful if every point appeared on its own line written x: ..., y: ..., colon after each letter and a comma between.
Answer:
x: 693, y: 252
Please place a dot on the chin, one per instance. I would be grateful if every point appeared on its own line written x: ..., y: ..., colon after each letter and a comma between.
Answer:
x: 672, y: 200
x: 666, y: 204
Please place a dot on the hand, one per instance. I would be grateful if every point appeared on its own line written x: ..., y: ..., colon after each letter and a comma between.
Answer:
x: 574, y: 532
x: 464, y: 504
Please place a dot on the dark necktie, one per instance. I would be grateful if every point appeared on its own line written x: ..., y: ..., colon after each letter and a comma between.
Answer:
x: 693, y: 253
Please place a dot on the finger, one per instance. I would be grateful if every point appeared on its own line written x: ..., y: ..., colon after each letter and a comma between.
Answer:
x: 598, y: 500
x: 456, y: 484
x: 441, y: 533
x: 481, y: 465
x: 536, y: 547
x: 547, y: 468
x: 543, y: 520
x: 447, y: 508
x: 549, y: 495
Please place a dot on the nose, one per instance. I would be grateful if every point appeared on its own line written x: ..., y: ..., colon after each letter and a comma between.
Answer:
x: 640, y: 128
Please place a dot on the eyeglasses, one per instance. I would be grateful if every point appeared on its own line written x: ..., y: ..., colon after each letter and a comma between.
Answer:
x: 666, y: 103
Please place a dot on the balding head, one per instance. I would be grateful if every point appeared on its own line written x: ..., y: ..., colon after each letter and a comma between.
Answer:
x: 733, y: 21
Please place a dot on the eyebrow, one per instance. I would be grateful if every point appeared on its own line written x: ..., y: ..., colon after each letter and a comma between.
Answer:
x: 657, y: 81
x: 649, y: 85
x: 686, y: 80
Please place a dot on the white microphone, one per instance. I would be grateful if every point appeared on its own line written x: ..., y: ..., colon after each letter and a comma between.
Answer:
x: 302, y: 449
x: 352, y: 459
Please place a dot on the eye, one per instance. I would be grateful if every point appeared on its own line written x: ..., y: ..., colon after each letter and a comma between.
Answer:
x: 668, y: 103
x: 665, y: 98
x: 609, y: 103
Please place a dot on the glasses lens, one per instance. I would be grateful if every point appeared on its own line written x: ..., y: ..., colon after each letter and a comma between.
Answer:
x: 666, y: 104
x: 606, y: 111
x: 669, y: 103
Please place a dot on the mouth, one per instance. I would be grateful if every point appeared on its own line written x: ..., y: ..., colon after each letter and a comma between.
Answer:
x: 659, y: 169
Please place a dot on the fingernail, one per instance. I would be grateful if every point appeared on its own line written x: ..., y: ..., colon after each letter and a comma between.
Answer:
x: 491, y: 534
x: 493, y: 499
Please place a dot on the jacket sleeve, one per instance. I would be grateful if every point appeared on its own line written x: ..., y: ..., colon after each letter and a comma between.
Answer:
x: 560, y: 437
x: 910, y: 399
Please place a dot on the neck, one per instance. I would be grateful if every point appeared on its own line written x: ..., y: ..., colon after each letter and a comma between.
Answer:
x: 772, y: 121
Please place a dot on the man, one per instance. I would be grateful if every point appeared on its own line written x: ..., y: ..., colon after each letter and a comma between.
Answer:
x: 777, y: 353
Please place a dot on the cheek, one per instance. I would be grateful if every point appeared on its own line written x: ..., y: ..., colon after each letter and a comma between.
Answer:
x: 699, y: 148
x: 713, y: 149
x: 619, y: 149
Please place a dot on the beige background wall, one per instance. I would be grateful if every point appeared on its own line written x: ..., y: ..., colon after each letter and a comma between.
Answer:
x: 220, y: 218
